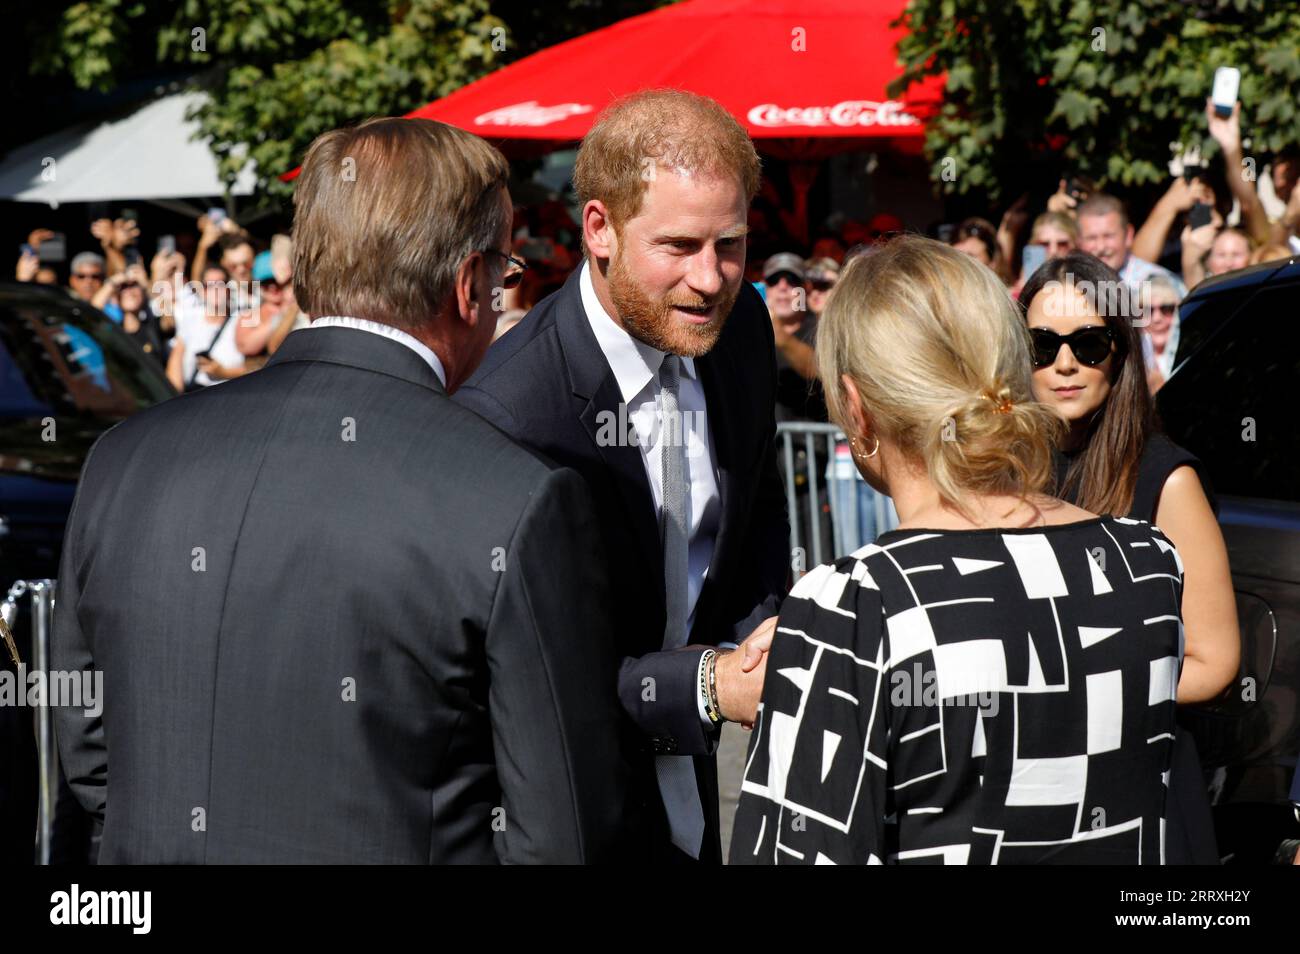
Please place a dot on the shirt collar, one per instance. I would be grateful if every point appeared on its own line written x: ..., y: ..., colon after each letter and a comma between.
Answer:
x: 634, y: 363
x: 387, y: 331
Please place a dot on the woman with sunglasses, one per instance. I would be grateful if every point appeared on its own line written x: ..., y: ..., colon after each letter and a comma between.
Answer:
x: 1160, y: 331
x: 1088, y: 367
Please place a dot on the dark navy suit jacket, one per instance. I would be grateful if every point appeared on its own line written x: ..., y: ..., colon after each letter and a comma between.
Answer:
x: 548, y: 385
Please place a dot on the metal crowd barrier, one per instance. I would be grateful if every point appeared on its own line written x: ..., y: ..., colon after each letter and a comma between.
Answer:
x: 825, y: 480
x: 47, y: 757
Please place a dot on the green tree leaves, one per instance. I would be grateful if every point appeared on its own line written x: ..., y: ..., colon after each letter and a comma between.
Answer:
x: 1100, y: 87
x: 279, y: 73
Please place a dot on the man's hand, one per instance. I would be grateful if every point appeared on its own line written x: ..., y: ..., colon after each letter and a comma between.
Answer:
x: 1182, y: 195
x: 29, y: 263
x: 740, y: 674
x: 166, y: 264
x: 1225, y: 130
x: 1061, y: 200
x: 1197, y: 241
x: 209, y: 232
x: 739, y: 691
x: 125, y: 233
x: 115, y: 234
x: 37, y: 236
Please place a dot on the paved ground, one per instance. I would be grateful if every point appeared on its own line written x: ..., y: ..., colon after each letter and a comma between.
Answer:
x: 731, y: 764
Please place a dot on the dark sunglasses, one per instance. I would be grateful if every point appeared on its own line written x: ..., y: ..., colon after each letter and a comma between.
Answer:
x: 821, y: 285
x: 87, y: 276
x: 1165, y: 308
x: 515, y: 268
x: 1091, y: 346
x: 790, y: 277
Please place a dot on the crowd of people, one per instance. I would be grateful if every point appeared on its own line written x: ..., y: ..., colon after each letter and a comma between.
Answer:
x: 1210, y: 220
x: 207, y: 317
x: 1001, y: 405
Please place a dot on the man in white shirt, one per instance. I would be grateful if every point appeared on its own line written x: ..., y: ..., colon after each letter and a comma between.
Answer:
x: 652, y: 373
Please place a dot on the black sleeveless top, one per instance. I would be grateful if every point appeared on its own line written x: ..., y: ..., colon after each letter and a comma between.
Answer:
x: 1189, y: 832
x: 1160, y: 458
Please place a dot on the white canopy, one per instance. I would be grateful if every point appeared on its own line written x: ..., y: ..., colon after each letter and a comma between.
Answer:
x: 148, y: 154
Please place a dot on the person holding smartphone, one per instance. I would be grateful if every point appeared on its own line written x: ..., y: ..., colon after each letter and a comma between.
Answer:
x: 204, y: 352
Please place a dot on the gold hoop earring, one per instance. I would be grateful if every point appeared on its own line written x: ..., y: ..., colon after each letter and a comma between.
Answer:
x: 853, y: 446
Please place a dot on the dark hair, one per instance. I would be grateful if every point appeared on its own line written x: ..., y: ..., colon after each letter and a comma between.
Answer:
x: 233, y: 240
x: 981, y: 229
x: 1103, y: 475
x: 214, y: 267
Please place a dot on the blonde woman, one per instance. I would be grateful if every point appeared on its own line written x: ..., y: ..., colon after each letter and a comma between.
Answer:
x: 994, y: 681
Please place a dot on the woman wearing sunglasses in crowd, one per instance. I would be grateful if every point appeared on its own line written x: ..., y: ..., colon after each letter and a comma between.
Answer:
x: 1160, y: 311
x: 1088, y: 367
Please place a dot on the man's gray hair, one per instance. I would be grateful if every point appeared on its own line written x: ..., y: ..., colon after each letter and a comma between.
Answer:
x: 87, y: 258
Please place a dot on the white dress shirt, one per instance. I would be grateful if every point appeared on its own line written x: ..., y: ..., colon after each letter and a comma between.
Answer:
x: 636, y: 369
x: 386, y: 331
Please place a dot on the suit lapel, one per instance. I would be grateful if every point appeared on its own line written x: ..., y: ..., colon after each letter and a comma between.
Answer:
x: 599, y: 405
x: 718, y: 379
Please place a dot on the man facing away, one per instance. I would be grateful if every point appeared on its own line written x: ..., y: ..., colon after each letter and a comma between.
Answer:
x: 340, y: 618
x: 652, y: 373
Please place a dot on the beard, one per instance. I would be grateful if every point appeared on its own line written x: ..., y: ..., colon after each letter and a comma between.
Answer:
x: 653, y: 322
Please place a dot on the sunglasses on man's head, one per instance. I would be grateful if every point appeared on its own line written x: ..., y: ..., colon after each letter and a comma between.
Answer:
x: 1091, y: 346
x: 790, y: 277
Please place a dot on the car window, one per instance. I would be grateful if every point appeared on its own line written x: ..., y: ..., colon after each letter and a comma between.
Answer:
x: 1232, y: 402
x: 62, y: 358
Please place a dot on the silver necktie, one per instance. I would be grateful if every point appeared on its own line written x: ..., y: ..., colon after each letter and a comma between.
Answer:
x: 676, y: 773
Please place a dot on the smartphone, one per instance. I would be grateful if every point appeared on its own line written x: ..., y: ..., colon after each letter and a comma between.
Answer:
x: 24, y: 250
x: 132, y: 255
x: 1227, y: 82
x: 54, y: 248
x: 1194, y: 172
x: 216, y: 215
x: 129, y: 215
x: 1031, y: 258
x: 166, y: 244
x: 1199, y: 215
x: 1075, y: 188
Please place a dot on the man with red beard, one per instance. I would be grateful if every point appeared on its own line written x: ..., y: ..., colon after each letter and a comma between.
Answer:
x: 652, y: 373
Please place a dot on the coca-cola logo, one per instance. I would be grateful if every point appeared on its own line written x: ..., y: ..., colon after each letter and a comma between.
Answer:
x: 531, y: 113
x: 852, y: 112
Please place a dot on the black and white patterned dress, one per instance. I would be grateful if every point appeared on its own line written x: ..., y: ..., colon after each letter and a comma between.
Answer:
x: 971, y: 697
